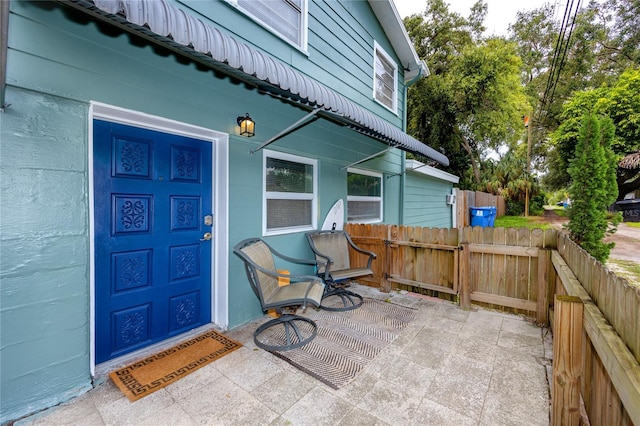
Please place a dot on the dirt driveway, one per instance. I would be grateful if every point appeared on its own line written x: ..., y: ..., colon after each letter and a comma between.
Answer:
x: 627, y: 238
x: 627, y: 241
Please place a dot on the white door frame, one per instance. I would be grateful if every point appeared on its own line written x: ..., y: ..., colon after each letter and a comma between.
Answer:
x: 220, y: 207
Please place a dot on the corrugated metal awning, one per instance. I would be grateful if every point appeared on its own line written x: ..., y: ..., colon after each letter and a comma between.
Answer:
x: 163, y: 23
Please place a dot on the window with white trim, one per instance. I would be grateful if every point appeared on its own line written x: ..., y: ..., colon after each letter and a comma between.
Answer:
x: 364, y: 196
x: 385, y: 82
x: 287, y: 18
x: 290, y: 193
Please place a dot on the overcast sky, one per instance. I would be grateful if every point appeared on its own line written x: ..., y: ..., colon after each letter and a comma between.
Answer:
x: 501, y: 12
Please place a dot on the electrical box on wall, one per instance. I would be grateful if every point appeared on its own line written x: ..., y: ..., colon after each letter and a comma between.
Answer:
x: 451, y: 199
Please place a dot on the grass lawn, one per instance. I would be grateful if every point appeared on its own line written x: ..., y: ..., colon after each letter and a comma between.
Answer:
x: 520, y: 222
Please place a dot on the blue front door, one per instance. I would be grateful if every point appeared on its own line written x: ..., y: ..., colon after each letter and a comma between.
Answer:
x: 152, y: 208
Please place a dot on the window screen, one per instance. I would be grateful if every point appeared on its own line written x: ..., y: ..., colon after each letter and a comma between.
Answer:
x: 283, y: 16
x: 290, y: 193
x: 384, y: 85
x: 364, y: 196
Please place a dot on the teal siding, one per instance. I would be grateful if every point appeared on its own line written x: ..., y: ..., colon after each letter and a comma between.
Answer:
x: 340, y: 46
x: 424, y: 202
x: 348, y: 30
x: 58, y: 61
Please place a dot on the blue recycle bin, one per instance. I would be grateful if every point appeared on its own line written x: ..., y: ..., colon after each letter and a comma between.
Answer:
x: 483, y: 216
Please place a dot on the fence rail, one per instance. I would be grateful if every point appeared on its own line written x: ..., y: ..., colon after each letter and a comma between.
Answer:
x: 522, y: 270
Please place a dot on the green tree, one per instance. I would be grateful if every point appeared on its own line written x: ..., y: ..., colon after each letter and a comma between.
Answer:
x: 625, y: 31
x: 488, y: 98
x: 473, y: 101
x: 564, y: 140
x: 590, y: 191
x: 621, y: 102
x: 555, y: 67
x: 438, y: 36
x: 508, y: 177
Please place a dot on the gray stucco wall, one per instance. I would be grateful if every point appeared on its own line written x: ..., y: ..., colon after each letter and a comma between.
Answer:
x: 44, y: 249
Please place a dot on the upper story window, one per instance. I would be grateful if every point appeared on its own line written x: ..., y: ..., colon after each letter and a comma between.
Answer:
x: 385, y: 82
x: 364, y: 196
x: 290, y: 193
x: 287, y: 18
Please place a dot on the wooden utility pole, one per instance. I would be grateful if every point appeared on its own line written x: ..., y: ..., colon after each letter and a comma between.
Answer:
x: 528, y: 125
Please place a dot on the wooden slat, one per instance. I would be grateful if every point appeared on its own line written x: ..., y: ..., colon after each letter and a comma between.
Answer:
x: 511, y: 264
x: 485, y: 282
x: 509, y: 302
x: 449, y: 274
x: 419, y: 284
x: 523, y: 290
x: 426, y: 264
x: 456, y: 271
x: 498, y: 282
x: 465, y: 291
x: 542, y: 309
x: 535, y: 286
x: 622, y: 367
x: 504, y: 250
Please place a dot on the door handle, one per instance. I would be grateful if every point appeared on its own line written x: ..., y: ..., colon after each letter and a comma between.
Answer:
x: 206, y: 237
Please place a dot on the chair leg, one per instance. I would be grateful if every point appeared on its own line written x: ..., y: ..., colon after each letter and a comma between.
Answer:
x: 346, y: 300
x: 285, y: 333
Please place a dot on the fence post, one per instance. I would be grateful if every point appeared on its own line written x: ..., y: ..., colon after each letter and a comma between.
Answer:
x: 567, y: 360
x: 386, y: 270
x: 465, y: 258
x: 543, y: 287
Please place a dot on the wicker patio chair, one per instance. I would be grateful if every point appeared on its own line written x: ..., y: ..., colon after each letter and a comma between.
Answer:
x: 331, y: 249
x: 288, y: 330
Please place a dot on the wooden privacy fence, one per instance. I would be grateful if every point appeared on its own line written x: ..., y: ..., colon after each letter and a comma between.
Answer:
x: 467, y: 199
x: 522, y: 271
x: 607, y: 375
x: 501, y: 268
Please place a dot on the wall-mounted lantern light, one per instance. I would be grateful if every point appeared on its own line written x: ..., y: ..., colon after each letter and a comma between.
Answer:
x: 247, y: 126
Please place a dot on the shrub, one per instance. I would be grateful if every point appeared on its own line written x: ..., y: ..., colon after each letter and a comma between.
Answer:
x: 536, y: 205
x: 591, y: 190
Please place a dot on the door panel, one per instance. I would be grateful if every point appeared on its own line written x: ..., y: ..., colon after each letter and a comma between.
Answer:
x: 152, y: 264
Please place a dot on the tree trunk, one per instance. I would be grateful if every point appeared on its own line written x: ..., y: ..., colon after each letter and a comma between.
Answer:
x: 474, y: 165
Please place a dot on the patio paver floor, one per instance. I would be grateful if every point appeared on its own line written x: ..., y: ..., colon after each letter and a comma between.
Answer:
x: 449, y: 367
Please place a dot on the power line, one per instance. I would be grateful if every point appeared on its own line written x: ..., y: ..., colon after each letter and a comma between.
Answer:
x: 559, y: 55
x: 564, y: 53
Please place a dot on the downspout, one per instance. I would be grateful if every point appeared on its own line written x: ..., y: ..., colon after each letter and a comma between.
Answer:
x: 403, y: 158
x: 403, y: 165
x: 4, y: 45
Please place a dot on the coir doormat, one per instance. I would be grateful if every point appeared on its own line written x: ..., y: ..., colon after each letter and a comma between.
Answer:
x: 348, y: 341
x: 151, y: 374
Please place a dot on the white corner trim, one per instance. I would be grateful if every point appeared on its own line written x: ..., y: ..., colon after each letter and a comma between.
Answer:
x: 418, y: 167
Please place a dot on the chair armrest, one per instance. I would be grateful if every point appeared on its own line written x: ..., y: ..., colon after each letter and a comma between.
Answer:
x: 371, y: 254
x: 292, y: 278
